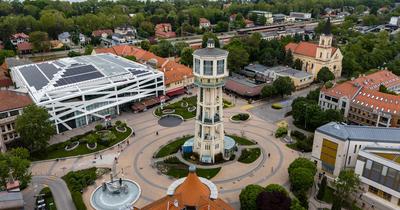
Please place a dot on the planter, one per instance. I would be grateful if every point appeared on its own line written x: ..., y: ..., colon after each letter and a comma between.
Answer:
x: 239, y: 121
x: 91, y: 147
x: 121, y: 129
x: 191, y: 109
x: 72, y: 146
x: 184, y: 104
x: 168, y: 111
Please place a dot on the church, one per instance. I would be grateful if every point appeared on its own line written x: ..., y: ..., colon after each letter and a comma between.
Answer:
x: 314, y: 56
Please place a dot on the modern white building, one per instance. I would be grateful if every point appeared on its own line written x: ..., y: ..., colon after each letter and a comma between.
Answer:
x: 379, y: 172
x: 210, y: 71
x: 336, y: 146
x: 80, y: 90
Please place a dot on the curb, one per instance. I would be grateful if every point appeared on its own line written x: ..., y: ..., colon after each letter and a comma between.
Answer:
x: 85, y: 155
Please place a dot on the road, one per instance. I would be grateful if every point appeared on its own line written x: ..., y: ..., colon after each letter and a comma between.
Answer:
x: 59, y: 189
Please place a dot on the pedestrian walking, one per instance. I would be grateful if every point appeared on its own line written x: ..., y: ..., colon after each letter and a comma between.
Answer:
x: 101, y: 157
x: 133, y: 133
x: 157, y: 133
x: 269, y: 154
x: 127, y: 142
x: 272, y: 169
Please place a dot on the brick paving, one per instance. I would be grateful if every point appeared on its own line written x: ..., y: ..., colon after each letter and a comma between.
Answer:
x: 136, y: 158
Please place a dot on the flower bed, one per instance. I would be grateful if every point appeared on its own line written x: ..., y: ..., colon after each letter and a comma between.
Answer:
x: 91, y: 146
x: 58, y: 150
x: 174, y: 168
x: 179, y: 110
x: 241, y: 117
x: 191, y: 109
x: 71, y: 146
x: 249, y: 155
x: 168, y: 111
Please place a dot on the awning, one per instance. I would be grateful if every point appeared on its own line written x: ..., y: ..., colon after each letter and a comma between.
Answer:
x: 175, y: 92
x: 142, y: 105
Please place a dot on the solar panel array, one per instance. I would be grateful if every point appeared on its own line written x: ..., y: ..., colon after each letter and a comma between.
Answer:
x: 34, y: 77
x: 48, y: 69
x: 137, y: 71
x: 117, y: 61
x: 78, y: 74
x: 59, y: 64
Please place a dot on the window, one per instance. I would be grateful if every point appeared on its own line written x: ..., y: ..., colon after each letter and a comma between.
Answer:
x: 220, y: 66
x: 216, y: 146
x: 348, y: 162
x: 320, y: 55
x: 208, y: 68
x: 355, y: 148
x: 13, y: 113
x: 3, y: 115
x: 197, y: 66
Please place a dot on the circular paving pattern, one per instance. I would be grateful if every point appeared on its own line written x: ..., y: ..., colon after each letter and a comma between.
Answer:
x: 170, y: 121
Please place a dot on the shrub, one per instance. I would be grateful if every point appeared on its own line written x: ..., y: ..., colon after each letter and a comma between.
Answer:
x: 241, y: 117
x: 98, y: 127
x: 299, y: 135
x: 302, y: 163
x: 328, y: 84
x: 248, y: 196
x: 277, y: 106
x: 280, y: 132
x: 118, y: 123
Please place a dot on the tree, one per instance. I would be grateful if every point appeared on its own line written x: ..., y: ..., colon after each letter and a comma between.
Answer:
x: 346, y: 183
x: 301, y: 179
x: 288, y: 58
x: 325, y: 75
x: 276, y: 188
x: 303, y: 163
x: 179, y: 46
x: 40, y: 41
x: 222, y: 26
x: 145, y: 45
x: 166, y: 49
x: 209, y: 35
x: 146, y: 29
x: 15, y: 163
x: 130, y: 57
x: 322, y: 188
x: 296, y: 205
x: 248, y: 197
x: 187, y: 56
x: 298, y: 64
x: 5, y: 54
x: 273, y: 200
x: 268, y: 91
x: 383, y: 89
x: 283, y: 86
x: 34, y: 127
x: 237, y: 57
x: 88, y: 49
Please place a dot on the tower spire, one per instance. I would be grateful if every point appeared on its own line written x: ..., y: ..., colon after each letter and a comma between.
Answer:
x: 327, y: 27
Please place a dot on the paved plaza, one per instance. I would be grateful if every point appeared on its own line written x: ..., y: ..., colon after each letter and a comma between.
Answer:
x: 135, y: 160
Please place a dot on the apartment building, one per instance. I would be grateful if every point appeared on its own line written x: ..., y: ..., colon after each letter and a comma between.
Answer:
x: 11, y: 106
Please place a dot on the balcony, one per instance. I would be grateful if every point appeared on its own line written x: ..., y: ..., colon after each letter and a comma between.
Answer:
x: 209, y: 84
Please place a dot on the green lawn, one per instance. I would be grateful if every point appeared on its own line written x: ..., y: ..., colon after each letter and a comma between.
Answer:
x: 48, y: 199
x: 178, y: 169
x: 249, y: 155
x: 58, y: 150
x: 241, y: 140
x: 172, y: 147
x: 179, y: 110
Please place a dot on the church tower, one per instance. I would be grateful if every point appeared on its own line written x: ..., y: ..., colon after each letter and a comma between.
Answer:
x: 324, y: 50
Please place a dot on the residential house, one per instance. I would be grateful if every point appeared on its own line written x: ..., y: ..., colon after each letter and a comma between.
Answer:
x: 394, y: 21
x: 204, y: 23
x: 118, y: 39
x: 103, y: 33
x: 315, y: 56
x: 248, y: 23
x: 300, y: 16
x: 124, y: 35
x: 243, y: 86
x: 24, y: 48
x: 164, y: 30
x: 65, y: 38
x: 191, y: 192
x: 267, y: 15
x: 19, y: 38
x: 56, y: 44
x: 11, y: 106
x: 177, y: 77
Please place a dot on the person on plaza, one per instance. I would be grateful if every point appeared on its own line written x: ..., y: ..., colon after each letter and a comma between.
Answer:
x: 157, y: 133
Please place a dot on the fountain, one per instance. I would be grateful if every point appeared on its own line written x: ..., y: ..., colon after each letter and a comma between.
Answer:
x: 116, y: 194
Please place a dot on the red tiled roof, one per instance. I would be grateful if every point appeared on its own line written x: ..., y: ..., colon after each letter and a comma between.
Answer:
x: 340, y: 90
x: 173, y: 71
x: 19, y: 35
x: 164, y: 30
x: 375, y: 100
x: 374, y: 80
x: 100, y: 32
x: 24, y: 46
x: 13, y: 100
x: 242, y: 89
x: 305, y: 48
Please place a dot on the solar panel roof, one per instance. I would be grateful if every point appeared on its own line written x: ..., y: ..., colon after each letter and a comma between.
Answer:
x: 48, y: 69
x: 34, y: 77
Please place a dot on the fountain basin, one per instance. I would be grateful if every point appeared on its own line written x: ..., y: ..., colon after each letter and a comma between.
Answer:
x: 104, y: 199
